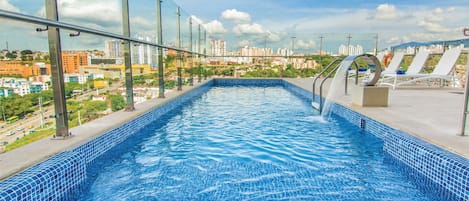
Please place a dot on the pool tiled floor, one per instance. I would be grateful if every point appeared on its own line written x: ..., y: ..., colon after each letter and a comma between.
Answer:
x: 432, y: 114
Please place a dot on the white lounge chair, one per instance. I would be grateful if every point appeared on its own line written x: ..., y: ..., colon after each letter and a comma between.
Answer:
x: 442, y: 70
x: 380, y: 56
x: 414, y: 69
x: 394, y: 64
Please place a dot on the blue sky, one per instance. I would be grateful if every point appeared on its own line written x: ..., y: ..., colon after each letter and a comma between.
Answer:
x: 254, y: 23
x: 394, y: 21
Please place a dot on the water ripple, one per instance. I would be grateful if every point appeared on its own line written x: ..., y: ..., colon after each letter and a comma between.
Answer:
x: 250, y: 143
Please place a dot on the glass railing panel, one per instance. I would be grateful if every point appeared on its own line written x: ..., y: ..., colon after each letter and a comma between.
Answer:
x: 26, y: 103
x: 33, y: 8
x: 186, y: 37
x: 94, y: 76
x: 143, y: 20
x: 103, y: 15
x: 144, y: 72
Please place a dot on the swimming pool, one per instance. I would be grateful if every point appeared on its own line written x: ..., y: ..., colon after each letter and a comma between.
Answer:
x: 249, y: 143
x: 68, y: 174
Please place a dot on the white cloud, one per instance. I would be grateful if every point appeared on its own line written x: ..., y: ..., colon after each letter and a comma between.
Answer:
x: 215, y: 27
x: 272, y: 37
x: 305, y: 44
x: 5, y: 5
x: 436, y: 15
x: 249, y: 29
x: 434, y: 18
x: 432, y: 27
x: 101, y: 12
x: 103, y: 15
x: 140, y: 21
x: 236, y: 16
x: 398, y: 39
x: 423, y: 36
x: 196, y: 20
x: 386, y: 12
x: 242, y: 43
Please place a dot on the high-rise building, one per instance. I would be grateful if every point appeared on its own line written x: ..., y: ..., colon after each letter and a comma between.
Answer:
x: 142, y: 54
x: 71, y: 61
x: 218, y: 48
x: 351, y: 50
x: 113, y: 49
x: 24, y: 70
x: 284, y: 52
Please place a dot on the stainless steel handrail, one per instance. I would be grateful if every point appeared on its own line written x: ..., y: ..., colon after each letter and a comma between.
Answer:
x: 322, y: 73
x: 466, y: 94
x: 321, y: 104
x: 370, y: 59
x: 63, y: 25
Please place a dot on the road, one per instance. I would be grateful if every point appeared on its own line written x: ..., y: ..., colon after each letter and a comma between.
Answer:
x: 33, y: 121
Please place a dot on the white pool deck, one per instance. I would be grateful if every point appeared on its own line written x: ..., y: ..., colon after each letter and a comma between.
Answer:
x: 432, y: 114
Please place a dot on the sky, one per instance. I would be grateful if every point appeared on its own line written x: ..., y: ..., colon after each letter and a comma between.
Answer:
x: 297, y: 24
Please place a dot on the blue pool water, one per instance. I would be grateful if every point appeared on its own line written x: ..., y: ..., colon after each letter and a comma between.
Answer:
x: 248, y: 143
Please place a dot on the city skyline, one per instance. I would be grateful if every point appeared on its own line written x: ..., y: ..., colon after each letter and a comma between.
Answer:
x: 244, y: 23
x: 395, y: 22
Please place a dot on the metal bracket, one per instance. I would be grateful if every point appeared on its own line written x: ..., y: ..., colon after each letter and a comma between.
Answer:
x: 465, y: 31
x: 41, y: 29
x: 75, y: 34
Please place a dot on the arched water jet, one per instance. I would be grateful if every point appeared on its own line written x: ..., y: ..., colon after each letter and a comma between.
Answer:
x: 341, y: 77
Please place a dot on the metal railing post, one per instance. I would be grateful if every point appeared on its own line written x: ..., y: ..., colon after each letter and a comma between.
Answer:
x: 159, y: 30
x: 178, y: 38
x: 129, y: 94
x: 465, y: 106
x: 58, y: 85
x: 199, y: 56
x: 191, y: 76
x: 205, y: 55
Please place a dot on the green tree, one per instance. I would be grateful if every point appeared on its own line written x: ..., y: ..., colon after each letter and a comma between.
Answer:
x: 95, y: 106
x: 10, y: 55
x: 91, y: 109
x: 46, y: 95
x: 117, y: 102
x: 16, y: 105
x: 138, y: 80
x: 169, y: 84
x: 47, y: 59
x: 24, y: 52
x: 70, y: 86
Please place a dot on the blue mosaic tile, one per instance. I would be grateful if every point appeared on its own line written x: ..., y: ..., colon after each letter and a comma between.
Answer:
x: 60, y: 177
x: 54, y: 177
x: 423, y: 162
x: 248, y: 82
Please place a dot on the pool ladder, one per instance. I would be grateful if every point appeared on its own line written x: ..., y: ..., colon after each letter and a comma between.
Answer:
x: 334, y: 66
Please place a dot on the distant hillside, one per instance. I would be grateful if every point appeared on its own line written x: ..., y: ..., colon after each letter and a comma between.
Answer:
x: 446, y: 42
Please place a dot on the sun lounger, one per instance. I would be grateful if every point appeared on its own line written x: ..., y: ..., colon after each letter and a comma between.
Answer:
x: 442, y: 70
x: 414, y: 69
